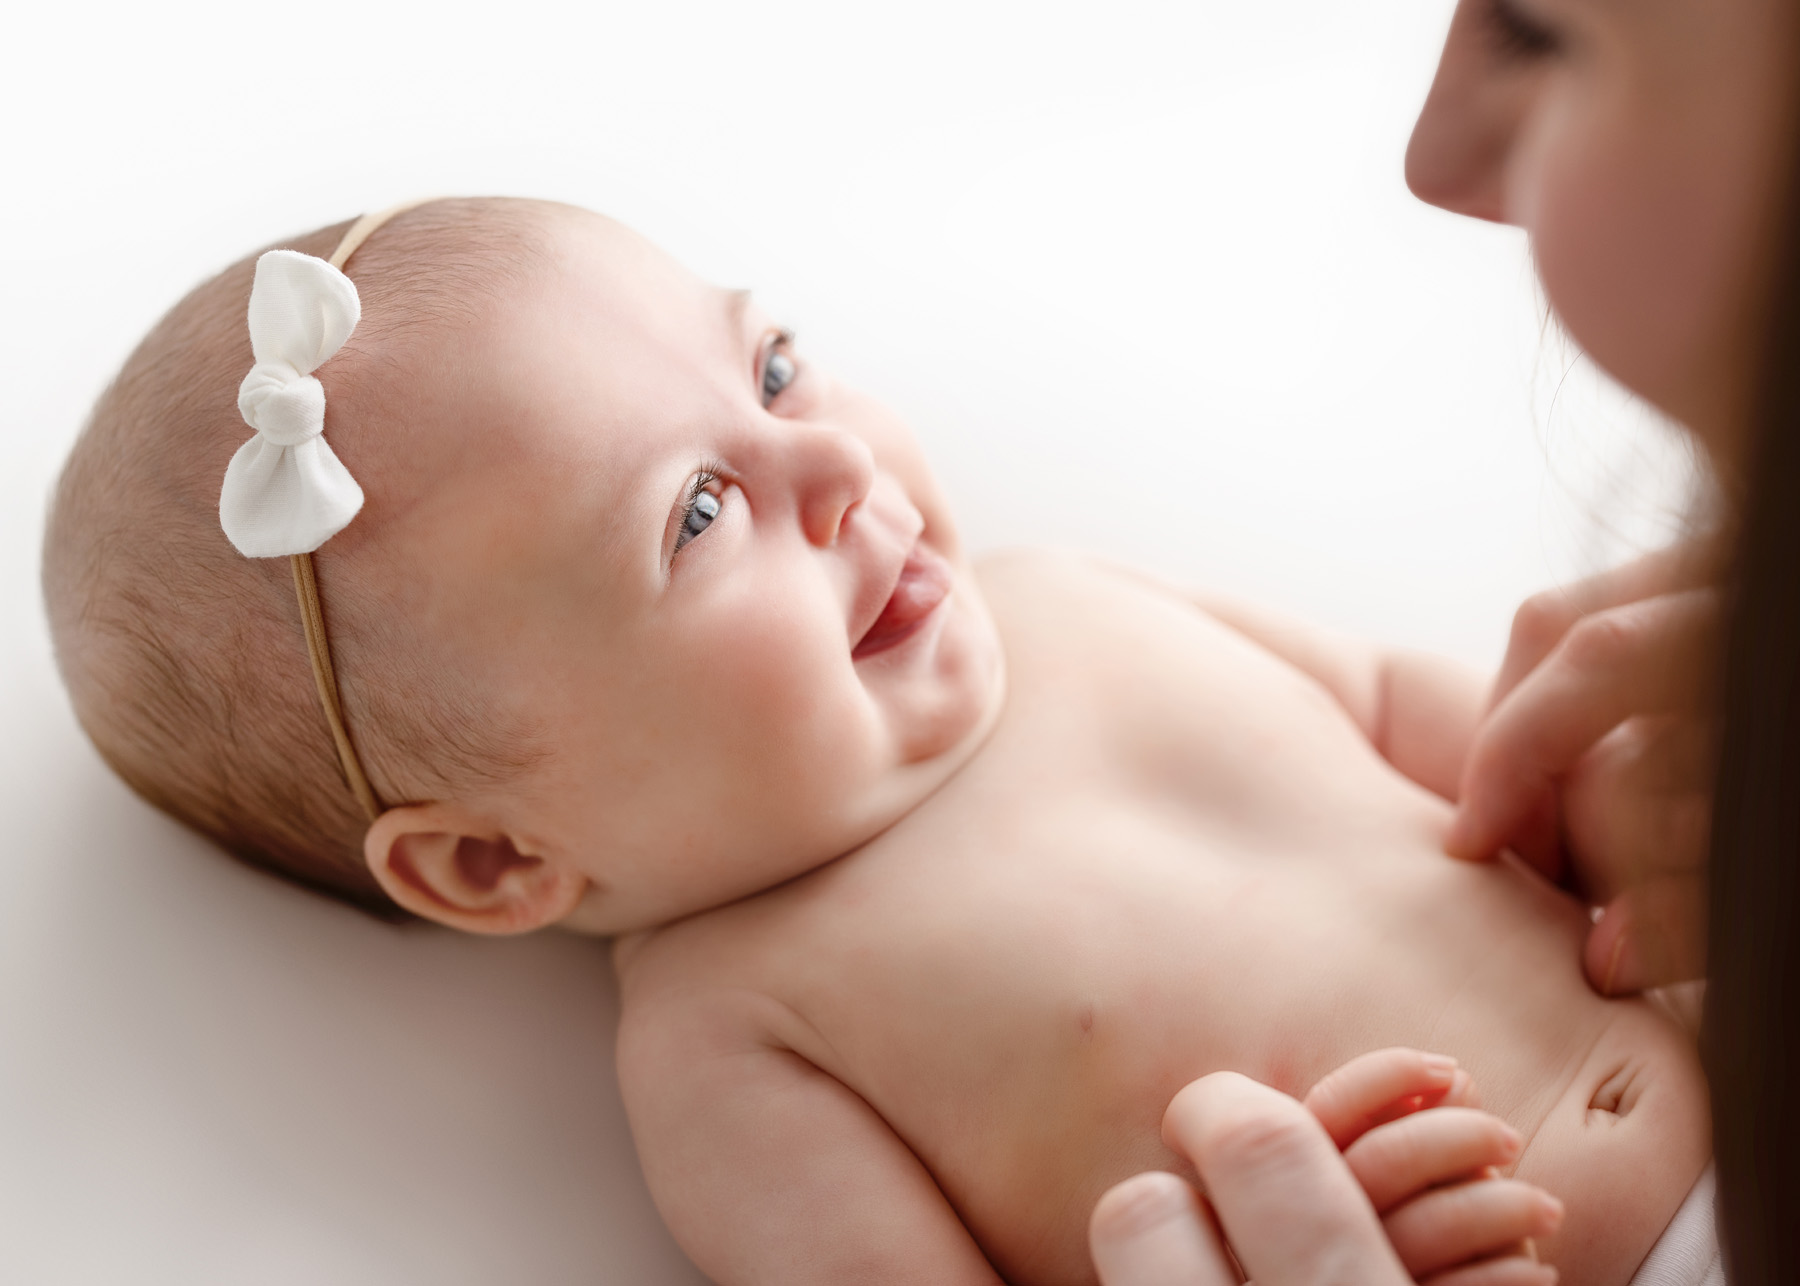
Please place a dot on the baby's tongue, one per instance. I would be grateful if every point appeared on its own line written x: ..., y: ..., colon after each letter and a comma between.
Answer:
x: 924, y: 583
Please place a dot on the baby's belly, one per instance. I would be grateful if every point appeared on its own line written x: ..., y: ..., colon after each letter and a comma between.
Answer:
x: 1622, y: 1145
x: 1025, y: 1035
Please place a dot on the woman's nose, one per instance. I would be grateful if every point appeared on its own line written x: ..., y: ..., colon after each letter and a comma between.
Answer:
x: 832, y: 471
x: 1464, y: 137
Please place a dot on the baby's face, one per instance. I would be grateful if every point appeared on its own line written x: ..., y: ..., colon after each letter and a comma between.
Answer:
x: 723, y: 587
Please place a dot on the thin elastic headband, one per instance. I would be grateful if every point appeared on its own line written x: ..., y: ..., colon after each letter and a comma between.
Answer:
x: 306, y: 580
x: 286, y: 493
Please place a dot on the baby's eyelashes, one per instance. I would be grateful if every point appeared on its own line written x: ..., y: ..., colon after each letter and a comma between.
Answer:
x: 702, y: 506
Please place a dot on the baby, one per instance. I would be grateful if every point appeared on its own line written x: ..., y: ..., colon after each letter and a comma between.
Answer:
x: 931, y: 884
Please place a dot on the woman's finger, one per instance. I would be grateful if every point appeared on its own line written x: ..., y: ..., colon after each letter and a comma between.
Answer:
x: 1638, y: 814
x: 1546, y: 617
x: 1650, y: 936
x: 1638, y: 805
x: 1282, y: 1192
x: 1377, y: 1087
x: 1399, y: 1160
x: 1153, y: 1230
x: 1643, y: 658
x: 1451, y: 1226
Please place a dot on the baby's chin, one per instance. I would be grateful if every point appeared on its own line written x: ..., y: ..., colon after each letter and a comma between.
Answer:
x: 941, y: 693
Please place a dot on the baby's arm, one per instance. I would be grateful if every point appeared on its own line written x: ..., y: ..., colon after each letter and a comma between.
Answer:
x: 769, y: 1170
x: 1419, y: 711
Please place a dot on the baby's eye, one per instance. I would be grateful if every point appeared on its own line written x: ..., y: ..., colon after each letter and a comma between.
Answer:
x: 702, y: 507
x: 779, y: 368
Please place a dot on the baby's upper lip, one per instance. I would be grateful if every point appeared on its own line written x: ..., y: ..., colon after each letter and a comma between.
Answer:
x: 877, y: 585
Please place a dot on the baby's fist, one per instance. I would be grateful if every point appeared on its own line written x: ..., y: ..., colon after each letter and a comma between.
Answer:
x: 1429, y: 1160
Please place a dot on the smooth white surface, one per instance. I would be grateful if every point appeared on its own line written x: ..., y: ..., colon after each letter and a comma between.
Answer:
x: 1145, y: 278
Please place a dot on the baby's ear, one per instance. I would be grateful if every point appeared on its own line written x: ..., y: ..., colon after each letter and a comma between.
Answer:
x: 445, y: 864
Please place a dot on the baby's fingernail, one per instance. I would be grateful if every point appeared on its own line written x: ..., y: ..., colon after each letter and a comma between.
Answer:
x: 1463, y: 1090
x: 1440, y: 1067
x: 1549, y: 1213
x: 1511, y: 1143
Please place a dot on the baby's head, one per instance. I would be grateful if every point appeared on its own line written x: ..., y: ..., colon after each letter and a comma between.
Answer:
x: 642, y: 613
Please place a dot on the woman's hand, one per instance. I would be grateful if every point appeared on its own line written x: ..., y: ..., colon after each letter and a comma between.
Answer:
x: 1595, y: 762
x: 1412, y: 1194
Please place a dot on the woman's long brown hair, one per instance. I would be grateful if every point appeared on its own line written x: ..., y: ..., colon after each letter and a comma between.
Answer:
x: 1751, y: 1040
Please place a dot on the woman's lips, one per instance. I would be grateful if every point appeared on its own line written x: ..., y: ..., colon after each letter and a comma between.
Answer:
x: 924, y: 583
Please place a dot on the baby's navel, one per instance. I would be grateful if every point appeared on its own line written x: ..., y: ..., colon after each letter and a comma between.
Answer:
x: 1617, y: 1094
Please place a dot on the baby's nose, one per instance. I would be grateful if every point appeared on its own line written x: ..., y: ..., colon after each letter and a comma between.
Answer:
x: 833, y: 471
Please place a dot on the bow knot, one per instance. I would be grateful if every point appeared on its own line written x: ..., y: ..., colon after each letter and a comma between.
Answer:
x: 283, y: 405
x: 285, y: 491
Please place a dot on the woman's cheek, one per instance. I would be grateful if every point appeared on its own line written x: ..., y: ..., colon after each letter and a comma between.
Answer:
x: 1620, y: 248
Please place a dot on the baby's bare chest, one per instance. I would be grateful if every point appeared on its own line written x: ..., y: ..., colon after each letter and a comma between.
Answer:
x: 1020, y: 997
x: 1174, y: 856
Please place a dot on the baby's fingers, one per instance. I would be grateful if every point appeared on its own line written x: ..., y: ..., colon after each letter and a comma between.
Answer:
x: 1449, y: 1227
x: 1514, y: 1270
x: 1377, y: 1087
x: 1401, y: 1159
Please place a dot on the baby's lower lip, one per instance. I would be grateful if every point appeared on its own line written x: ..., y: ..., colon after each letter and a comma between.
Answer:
x: 924, y: 583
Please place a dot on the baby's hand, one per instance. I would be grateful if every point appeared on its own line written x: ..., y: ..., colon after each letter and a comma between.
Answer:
x: 1433, y: 1176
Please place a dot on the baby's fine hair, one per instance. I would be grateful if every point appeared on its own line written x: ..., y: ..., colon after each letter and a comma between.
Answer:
x: 186, y: 661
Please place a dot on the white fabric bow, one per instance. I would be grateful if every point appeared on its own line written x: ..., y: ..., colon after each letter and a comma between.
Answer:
x: 285, y: 491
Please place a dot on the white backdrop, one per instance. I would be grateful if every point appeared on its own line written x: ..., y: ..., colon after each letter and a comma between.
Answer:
x: 1144, y: 277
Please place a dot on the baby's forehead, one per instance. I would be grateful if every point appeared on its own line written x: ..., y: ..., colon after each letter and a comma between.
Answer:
x: 609, y: 334
x: 558, y: 401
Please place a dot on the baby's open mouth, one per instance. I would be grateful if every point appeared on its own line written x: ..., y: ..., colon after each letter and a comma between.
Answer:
x: 924, y: 583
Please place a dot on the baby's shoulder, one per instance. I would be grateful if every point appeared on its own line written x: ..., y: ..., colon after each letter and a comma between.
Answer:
x: 1051, y: 598
x: 1028, y: 565
x: 696, y: 979
x: 1053, y: 575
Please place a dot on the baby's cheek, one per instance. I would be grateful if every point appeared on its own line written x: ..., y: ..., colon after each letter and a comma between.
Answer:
x: 779, y: 697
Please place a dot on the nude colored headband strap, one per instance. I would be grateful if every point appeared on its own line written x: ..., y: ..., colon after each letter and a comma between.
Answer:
x: 286, y: 492
x: 306, y: 580
x: 318, y: 647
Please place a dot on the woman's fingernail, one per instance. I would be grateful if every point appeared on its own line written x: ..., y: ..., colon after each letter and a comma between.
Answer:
x: 1622, y: 972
